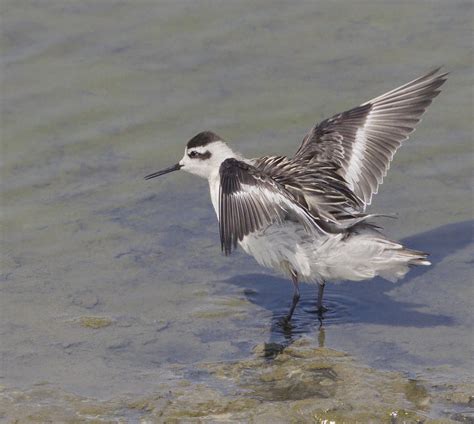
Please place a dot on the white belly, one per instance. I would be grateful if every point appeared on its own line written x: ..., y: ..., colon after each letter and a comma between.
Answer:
x: 285, y: 248
x: 332, y: 257
x: 289, y: 248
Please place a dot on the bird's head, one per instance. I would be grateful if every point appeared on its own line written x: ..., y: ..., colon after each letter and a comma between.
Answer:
x: 203, y: 156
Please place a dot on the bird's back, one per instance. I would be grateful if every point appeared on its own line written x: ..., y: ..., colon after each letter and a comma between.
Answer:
x: 316, y: 185
x: 307, y: 214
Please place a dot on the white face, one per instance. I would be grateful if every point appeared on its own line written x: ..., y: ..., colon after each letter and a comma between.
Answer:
x: 205, y: 161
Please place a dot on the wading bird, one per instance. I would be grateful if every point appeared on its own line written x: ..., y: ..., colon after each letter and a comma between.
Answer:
x: 305, y: 216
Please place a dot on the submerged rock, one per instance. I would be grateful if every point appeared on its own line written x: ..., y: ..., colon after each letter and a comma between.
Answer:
x: 299, y: 383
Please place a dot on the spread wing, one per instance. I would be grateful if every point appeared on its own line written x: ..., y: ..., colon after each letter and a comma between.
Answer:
x: 317, y: 185
x: 362, y: 141
x: 250, y: 200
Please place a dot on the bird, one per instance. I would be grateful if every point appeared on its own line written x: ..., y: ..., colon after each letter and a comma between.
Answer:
x: 305, y: 216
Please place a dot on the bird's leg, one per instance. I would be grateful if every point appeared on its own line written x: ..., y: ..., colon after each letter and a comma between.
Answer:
x: 296, y: 295
x: 319, y: 305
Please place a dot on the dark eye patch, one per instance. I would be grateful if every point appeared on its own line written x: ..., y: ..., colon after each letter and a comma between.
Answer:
x: 196, y: 155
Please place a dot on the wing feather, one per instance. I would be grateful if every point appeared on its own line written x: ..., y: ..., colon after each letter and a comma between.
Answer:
x: 250, y: 200
x: 370, y: 134
x: 316, y: 185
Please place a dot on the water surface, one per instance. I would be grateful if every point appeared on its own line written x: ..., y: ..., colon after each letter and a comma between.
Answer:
x: 112, y: 284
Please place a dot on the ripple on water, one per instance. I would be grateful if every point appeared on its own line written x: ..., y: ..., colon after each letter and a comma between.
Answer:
x: 340, y: 309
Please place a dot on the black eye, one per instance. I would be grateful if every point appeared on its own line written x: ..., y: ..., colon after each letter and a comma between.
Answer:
x: 193, y: 154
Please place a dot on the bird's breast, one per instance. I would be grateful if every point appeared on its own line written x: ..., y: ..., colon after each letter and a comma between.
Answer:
x: 214, y: 186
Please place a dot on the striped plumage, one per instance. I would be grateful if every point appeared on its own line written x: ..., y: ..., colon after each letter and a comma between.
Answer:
x: 263, y: 202
x: 368, y: 136
x: 305, y: 215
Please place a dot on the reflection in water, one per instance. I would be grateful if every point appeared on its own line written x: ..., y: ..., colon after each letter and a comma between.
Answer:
x: 364, y: 302
x: 98, y: 93
x: 291, y: 329
x: 284, y: 333
x: 321, y: 336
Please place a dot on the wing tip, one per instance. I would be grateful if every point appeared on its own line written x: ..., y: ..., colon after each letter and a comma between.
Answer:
x: 433, y: 74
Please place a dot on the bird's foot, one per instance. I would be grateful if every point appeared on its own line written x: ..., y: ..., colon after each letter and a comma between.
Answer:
x: 321, y: 309
x: 285, y: 326
x: 285, y: 321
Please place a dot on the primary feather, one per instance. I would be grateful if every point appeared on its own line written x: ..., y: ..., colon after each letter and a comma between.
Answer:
x: 362, y: 141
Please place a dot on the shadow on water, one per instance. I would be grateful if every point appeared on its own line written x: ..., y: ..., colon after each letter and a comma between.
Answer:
x: 361, y: 302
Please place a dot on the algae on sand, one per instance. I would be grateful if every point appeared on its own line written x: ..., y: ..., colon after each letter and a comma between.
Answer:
x: 300, y: 384
x: 94, y: 322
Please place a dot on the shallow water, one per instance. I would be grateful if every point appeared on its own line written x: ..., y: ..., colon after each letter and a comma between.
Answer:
x: 112, y: 284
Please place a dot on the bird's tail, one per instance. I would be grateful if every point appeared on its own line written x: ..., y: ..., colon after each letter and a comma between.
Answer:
x: 395, y: 260
x: 363, y: 255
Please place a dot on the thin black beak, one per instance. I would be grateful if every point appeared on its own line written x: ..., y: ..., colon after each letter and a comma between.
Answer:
x: 164, y: 171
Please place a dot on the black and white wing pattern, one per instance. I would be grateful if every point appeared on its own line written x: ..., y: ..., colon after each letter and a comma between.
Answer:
x: 250, y: 200
x: 315, y: 182
x: 362, y: 141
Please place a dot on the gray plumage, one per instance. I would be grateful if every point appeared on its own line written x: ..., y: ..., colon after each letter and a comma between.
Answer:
x: 305, y: 215
x: 362, y: 141
x: 336, y: 170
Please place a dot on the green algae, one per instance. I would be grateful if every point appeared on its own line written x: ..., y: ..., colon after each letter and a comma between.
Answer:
x: 226, y: 307
x: 94, y: 322
x: 461, y: 394
x: 416, y: 393
x: 233, y: 302
x: 218, y: 313
x: 302, y: 384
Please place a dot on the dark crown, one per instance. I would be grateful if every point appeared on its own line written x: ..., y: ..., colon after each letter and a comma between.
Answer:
x: 203, y: 139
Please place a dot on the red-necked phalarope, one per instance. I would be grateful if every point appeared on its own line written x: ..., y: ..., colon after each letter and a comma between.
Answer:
x: 305, y: 216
